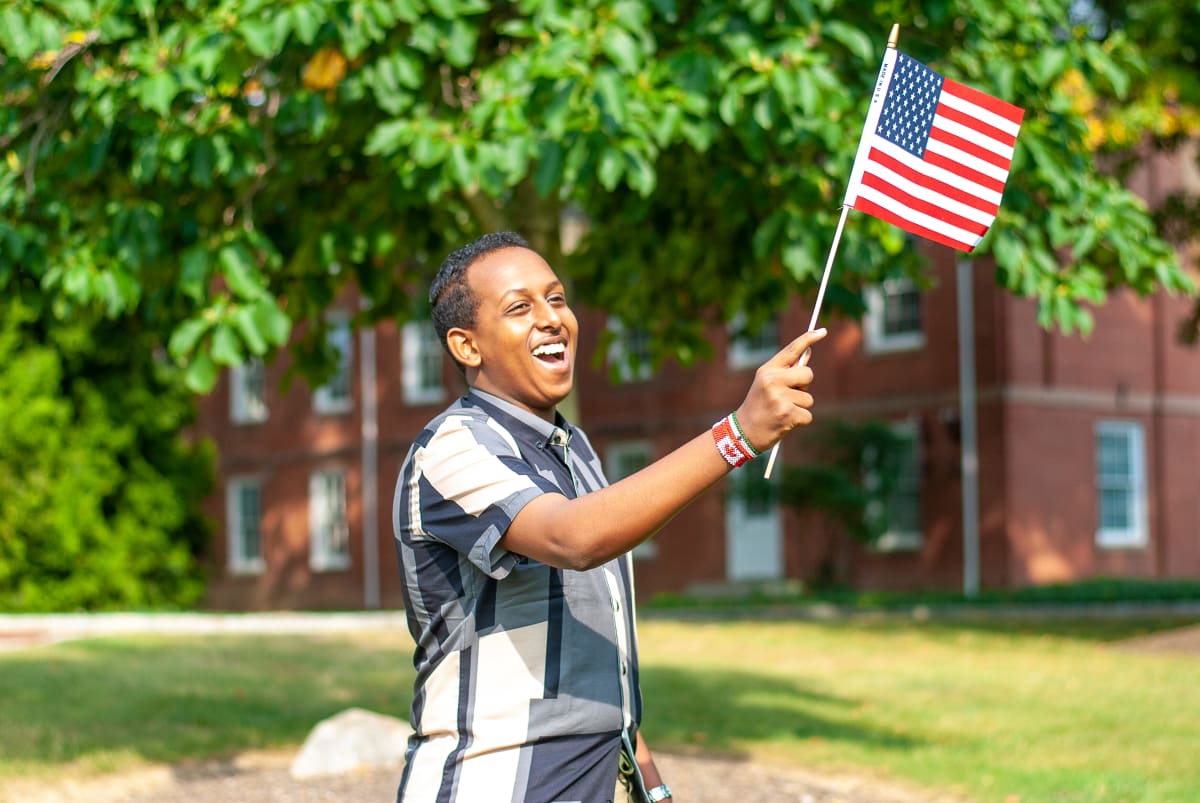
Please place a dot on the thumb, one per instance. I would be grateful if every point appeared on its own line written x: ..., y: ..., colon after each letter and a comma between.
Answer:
x: 790, y: 354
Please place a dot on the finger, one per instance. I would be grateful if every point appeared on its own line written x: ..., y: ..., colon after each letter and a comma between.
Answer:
x: 798, y: 376
x: 802, y: 399
x: 792, y: 352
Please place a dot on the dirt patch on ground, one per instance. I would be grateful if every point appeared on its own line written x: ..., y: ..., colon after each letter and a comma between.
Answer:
x: 1180, y: 640
x: 264, y: 778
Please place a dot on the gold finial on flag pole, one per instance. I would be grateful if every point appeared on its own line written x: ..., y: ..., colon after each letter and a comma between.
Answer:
x: 894, y: 36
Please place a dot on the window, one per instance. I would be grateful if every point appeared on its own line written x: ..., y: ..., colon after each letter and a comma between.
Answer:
x: 243, y: 525
x: 1120, y: 484
x: 629, y: 352
x: 893, y: 320
x: 334, y: 395
x: 625, y: 458
x: 329, y: 525
x: 248, y: 392
x: 901, y: 511
x: 421, y: 369
x: 752, y: 349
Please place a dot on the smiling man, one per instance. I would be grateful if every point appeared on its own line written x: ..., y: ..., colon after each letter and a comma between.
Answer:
x: 513, y: 548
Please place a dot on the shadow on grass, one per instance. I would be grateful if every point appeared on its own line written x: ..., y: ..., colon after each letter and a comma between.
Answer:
x: 170, y: 699
x: 719, y: 710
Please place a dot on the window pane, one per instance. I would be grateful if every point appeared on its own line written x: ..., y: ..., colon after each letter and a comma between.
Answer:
x: 901, y: 311
x: 248, y: 392
x: 629, y: 352
x: 243, y: 530
x: 1120, y: 484
x: 334, y: 395
x: 337, y: 530
x: 904, y: 507
x: 1115, y: 464
x: 339, y: 383
x: 422, y: 360
x: 1114, y: 509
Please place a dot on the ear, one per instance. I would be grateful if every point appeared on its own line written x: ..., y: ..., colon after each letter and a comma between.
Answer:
x: 463, y: 348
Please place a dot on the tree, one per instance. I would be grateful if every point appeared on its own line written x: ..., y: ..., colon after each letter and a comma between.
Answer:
x: 1168, y: 120
x: 221, y: 170
x: 101, y: 502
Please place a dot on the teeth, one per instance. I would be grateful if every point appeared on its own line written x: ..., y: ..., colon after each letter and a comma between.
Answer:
x: 549, y: 348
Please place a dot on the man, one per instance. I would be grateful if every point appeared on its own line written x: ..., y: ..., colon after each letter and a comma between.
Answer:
x: 513, y: 548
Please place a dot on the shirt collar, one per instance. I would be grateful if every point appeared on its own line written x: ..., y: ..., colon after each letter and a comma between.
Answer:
x: 559, y: 433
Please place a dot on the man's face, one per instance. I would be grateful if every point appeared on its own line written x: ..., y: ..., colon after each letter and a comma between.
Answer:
x: 524, y: 331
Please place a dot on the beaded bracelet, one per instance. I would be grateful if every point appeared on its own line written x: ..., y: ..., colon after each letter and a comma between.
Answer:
x: 732, y: 443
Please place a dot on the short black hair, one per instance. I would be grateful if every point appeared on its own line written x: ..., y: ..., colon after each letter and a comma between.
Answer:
x: 451, y: 301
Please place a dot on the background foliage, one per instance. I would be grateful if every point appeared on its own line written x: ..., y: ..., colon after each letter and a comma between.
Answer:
x: 101, y: 496
x: 224, y: 169
x: 183, y: 182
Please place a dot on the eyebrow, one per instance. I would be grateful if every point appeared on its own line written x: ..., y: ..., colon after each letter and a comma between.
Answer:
x: 556, y: 284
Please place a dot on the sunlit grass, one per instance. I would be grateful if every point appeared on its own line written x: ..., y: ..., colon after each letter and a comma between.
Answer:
x: 996, y: 711
x: 993, y: 714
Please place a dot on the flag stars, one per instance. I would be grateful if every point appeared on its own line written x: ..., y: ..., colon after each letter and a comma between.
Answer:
x: 910, y: 105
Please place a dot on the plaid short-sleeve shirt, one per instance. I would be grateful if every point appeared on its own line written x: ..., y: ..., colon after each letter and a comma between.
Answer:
x: 526, y: 674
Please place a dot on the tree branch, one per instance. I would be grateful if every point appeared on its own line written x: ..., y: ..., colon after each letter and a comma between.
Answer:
x: 486, y: 211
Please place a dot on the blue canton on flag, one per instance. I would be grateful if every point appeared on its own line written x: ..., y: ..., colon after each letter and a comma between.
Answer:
x: 909, y: 107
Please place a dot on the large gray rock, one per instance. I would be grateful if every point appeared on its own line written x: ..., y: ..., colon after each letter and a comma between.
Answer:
x: 354, y: 739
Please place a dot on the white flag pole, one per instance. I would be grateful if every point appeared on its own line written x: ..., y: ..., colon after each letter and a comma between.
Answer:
x: 851, y: 195
x: 812, y: 324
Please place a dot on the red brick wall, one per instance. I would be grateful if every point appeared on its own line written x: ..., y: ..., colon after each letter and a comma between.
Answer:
x: 1039, y: 396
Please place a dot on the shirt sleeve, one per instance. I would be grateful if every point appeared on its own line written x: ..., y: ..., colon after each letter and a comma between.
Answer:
x: 472, y: 484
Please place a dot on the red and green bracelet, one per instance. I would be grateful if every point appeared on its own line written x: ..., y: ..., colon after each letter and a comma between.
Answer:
x: 732, y: 442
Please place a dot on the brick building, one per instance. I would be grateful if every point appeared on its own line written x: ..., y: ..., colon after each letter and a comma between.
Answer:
x: 1086, y: 449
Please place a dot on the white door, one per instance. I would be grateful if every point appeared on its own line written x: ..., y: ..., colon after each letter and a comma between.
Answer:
x: 753, y: 529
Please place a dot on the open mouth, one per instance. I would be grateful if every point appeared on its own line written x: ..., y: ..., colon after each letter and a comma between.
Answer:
x: 552, y: 354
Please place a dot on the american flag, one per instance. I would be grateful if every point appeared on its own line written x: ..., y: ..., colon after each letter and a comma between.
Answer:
x: 934, y: 154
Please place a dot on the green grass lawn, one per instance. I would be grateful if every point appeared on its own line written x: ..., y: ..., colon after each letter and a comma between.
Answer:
x: 996, y: 711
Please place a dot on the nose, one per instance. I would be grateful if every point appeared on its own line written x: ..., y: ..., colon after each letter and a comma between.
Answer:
x: 548, y: 316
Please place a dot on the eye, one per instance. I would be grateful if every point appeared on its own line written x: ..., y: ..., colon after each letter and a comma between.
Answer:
x: 557, y: 298
x: 518, y: 308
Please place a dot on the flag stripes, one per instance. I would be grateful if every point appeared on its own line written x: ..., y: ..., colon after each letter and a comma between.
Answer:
x: 939, y: 175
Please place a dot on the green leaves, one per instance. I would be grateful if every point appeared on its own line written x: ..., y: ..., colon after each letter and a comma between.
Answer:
x: 102, y: 493
x: 619, y: 46
x: 157, y: 91
x: 239, y: 270
x: 227, y: 170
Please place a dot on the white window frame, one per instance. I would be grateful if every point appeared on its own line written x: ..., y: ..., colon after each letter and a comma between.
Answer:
x: 875, y: 339
x: 615, y: 454
x: 1137, y: 534
x: 328, y: 521
x: 419, y: 347
x: 237, y: 561
x: 248, y: 392
x: 894, y: 540
x: 341, y: 337
x: 750, y: 351
x: 619, y: 356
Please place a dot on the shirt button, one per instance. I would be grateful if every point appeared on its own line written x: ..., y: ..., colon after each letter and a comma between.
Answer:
x: 616, y: 604
x: 624, y: 668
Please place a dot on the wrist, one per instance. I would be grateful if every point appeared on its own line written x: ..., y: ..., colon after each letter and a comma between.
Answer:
x: 658, y: 793
x: 732, y: 442
x: 737, y: 425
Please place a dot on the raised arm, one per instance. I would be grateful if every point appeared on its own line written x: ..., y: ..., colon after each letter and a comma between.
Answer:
x: 588, y: 531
